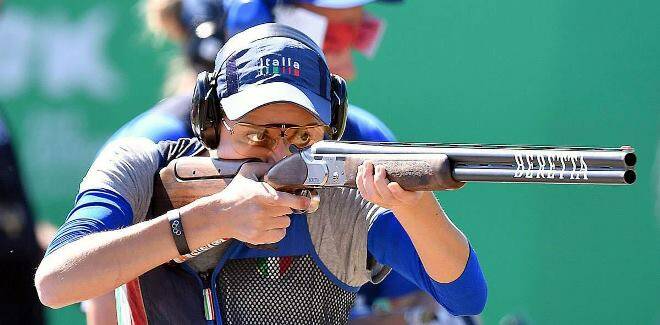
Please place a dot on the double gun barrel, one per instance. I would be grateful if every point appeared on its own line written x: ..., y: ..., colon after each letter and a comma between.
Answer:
x: 503, y: 163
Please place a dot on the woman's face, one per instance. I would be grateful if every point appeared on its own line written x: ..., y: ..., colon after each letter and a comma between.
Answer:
x: 240, y: 145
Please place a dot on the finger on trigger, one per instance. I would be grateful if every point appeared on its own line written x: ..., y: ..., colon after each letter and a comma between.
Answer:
x: 271, y: 190
x: 292, y: 201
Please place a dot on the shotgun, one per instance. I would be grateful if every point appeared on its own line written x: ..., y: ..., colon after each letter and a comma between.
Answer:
x: 415, y: 166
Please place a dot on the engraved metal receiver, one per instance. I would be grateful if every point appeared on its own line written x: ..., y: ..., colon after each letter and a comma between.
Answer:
x: 327, y: 171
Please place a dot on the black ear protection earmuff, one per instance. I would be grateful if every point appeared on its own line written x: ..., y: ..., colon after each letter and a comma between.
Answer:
x: 339, y: 106
x: 206, y: 113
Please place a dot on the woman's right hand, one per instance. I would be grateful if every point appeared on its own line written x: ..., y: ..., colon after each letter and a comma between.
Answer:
x: 247, y: 209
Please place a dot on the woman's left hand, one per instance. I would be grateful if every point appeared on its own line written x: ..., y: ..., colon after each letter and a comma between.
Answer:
x: 374, y: 186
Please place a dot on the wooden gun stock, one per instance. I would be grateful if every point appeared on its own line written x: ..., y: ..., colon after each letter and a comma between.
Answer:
x: 189, y: 178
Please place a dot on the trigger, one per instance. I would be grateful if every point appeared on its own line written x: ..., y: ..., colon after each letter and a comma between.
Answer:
x: 314, y: 200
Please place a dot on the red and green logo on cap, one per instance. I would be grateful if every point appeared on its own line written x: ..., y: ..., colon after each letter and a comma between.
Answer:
x: 281, y: 65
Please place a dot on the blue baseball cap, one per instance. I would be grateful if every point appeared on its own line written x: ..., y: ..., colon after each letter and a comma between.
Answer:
x: 272, y: 63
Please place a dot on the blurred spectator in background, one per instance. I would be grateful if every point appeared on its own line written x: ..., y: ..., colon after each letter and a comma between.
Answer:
x: 398, y: 301
x: 22, y: 240
x: 200, y: 28
x: 20, y: 252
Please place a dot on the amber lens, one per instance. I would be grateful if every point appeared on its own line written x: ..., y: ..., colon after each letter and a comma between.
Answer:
x: 252, y: 140
x: 305, y: 136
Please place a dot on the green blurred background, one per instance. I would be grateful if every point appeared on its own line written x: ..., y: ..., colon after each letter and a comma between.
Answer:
x: 521, y: 72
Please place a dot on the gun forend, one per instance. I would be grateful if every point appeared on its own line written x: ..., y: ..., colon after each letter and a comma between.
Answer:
x: 412, y: 172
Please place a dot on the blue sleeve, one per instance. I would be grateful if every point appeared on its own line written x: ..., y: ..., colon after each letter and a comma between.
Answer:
x: 95, y: 211
x: 463, y: 296
x: 395, y: 286
x: 102, y: 210
x: 364, y: 126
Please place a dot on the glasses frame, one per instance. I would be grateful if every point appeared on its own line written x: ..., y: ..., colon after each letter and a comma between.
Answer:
x: 281, y: 127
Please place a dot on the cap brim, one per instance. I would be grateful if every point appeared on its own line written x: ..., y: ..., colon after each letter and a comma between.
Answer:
x: 255, y: 96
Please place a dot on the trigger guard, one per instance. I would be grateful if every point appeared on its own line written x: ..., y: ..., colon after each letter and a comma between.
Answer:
x: 314, y: 200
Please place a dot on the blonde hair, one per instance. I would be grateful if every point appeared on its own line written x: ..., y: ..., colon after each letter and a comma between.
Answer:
x: 162, y: 21
x: 180, y: 77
